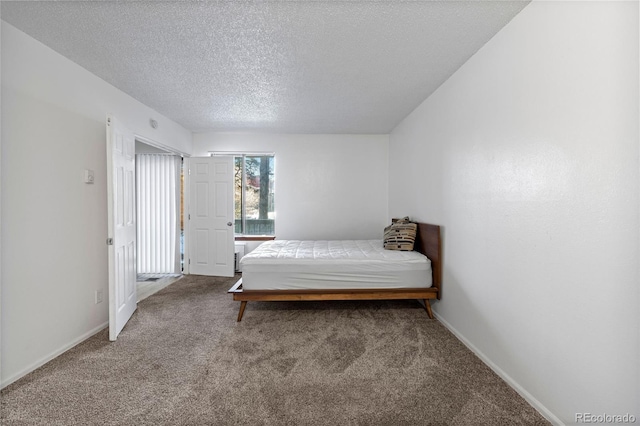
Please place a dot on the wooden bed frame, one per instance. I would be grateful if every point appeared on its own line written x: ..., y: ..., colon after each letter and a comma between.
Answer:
x: 428, y: 242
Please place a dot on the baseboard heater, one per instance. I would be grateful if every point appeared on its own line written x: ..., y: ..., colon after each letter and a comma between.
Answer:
x: 239, y: 253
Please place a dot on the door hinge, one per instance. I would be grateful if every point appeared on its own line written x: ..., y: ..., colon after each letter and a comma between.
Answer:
x: 109, y: 241
x: 189, y: 261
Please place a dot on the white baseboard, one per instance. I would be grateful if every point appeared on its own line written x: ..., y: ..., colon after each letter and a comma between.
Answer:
x: 42, y: 361
x: 504, y: 376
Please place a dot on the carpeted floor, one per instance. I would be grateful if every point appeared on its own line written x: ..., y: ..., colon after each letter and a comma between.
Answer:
x: 184, y: 360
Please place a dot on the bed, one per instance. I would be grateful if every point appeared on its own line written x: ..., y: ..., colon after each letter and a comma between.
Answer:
x: 283, y: 270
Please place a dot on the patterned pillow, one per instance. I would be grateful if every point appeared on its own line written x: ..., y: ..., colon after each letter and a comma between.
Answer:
x: 400, y: 235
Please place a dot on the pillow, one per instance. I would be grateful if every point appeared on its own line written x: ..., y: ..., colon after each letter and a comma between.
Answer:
x: 396, y: 220
x: 400, y: 235
x: 400, y: 220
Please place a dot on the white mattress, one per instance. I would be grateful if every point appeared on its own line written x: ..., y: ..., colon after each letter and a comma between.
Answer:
x: 322, y: 265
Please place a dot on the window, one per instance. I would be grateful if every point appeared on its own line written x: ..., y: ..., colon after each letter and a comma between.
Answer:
x: 254, y: 184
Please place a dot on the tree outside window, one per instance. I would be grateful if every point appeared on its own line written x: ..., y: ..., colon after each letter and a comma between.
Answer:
x: 254, y: 195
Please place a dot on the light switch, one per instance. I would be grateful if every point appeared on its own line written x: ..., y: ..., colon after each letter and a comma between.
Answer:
x: 88, y: 176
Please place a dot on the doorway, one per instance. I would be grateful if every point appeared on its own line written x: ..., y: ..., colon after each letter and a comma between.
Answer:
x: 159, y: 214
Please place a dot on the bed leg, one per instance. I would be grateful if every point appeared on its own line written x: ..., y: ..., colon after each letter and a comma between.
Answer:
x: 427, y: 306
x: 243, y: 305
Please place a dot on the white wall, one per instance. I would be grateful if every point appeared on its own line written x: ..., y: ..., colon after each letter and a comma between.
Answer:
x: 528, y: 155
x: 327, y: 186
x: 54, y: 226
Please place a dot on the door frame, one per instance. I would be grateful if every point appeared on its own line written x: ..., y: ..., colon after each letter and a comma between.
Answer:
x: 185, y: 191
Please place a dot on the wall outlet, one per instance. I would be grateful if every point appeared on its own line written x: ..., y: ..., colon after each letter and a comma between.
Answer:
x: 99, y: 297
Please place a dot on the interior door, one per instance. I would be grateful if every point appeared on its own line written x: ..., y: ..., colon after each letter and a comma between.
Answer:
x: 211, y: 218
x: 121, y: 225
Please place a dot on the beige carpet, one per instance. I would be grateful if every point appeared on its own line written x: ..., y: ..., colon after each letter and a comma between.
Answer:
x: 183, y: 360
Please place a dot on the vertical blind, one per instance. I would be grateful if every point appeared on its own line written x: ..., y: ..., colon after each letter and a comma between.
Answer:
x: 158, y: 207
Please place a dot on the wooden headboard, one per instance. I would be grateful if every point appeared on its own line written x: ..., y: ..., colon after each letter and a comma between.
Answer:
x: 429, y: 243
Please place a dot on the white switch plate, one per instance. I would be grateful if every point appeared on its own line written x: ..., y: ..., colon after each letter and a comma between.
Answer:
x: 98, y: 296
x: 88, y: 176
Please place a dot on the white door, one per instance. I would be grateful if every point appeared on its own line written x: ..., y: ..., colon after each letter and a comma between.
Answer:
x: 211, y: 217
x: 121, y: 225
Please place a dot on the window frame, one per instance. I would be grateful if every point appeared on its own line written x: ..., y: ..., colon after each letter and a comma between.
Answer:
x: 241, y: 154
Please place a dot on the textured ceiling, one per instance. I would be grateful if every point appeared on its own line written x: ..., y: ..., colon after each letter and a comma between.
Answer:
x: 291, y: 67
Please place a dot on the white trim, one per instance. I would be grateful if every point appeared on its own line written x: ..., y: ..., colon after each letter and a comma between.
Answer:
x: 241, y: 153
x: 504, y: 376
x: 158, y: 145
x: 42, y: 361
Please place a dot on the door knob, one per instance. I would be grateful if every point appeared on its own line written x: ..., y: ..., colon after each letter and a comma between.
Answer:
x: 229, y: 223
